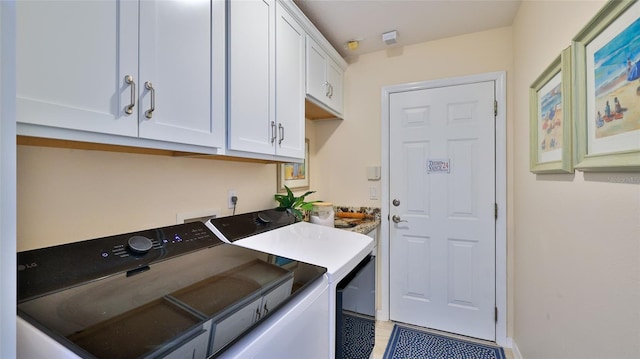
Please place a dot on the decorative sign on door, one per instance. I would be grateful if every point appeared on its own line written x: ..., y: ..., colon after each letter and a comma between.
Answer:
x: 438, y: 165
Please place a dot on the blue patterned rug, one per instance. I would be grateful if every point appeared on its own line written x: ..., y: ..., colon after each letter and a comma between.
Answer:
x: 407, y: 343
x: 357, y: 338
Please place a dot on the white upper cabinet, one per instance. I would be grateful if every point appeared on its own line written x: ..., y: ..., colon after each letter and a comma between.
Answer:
x: 72, y: 59
x: 335, y: 79
x: 204, y: 76
x: 101, y: 66
x: 178, y: 71
x: 290, y: 82
x: 266, y: 80
x: 324, y: 78
x: 251, y: 117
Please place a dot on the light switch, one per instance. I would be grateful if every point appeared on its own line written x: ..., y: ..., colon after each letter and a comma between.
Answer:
x: 373, y: 193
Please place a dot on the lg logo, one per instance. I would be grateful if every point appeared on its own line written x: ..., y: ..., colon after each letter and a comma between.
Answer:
x: 22, y: 267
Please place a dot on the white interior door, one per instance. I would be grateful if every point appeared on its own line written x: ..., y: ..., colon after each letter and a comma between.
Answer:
x: 442, y: 188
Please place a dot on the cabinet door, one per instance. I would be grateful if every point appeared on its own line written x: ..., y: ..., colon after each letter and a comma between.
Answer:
x: 276, y: 296
x: 290, y: 65
x: 230, y: 327
x: 317, y: 85
x: 324, y: 77
x: 251, y: 114
x: 177, y: 60
x: 335, y: 77
x: 195, y: 348
x: 72, y: 59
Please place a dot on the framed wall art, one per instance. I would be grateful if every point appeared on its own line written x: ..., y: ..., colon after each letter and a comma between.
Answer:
x: 550, y: 112
x: 294, y: 175
x: 606, y: 55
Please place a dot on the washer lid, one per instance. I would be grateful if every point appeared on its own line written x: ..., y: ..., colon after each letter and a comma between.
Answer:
x: 233, y: 228
x: 335, y: 249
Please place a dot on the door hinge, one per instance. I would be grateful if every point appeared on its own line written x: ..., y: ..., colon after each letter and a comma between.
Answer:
x: 496, y: 316
x: 495, y: 210
x: 495, y: 108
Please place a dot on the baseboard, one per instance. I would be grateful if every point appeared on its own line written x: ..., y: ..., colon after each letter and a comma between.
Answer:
x: 382, y: 315
x: 505, y: 342
x: 515, y: 350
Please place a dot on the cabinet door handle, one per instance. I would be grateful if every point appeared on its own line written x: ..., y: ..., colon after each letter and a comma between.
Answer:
x: 330, y: 91
x: 273, y: 131
x: 281, y: 130
x: 266, y: 310
x: 327, y: 85
x: 258, y: 313
x: 149, y: 86
x: 129, y: 108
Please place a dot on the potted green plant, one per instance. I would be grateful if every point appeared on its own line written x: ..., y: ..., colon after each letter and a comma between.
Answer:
x: 292, y: 204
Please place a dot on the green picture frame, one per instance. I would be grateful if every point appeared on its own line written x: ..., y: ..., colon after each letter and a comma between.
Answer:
x: 594, y: 150
x: 550, y: 118
x: 294, y: 175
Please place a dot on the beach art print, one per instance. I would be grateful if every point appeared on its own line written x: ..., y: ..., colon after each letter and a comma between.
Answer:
x: 607, y: 63
x: 550, y: 118
x: 550, y: 121
x: 615, y: 82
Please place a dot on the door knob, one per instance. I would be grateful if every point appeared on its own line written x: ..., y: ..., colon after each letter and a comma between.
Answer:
x: 397, y: 219
x: 396, y: 202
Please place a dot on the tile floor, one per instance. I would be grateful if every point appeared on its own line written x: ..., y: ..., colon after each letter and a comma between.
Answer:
x: 383, y: 332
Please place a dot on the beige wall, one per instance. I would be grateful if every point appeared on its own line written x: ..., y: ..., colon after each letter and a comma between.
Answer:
x: 577, y: 237
x: 67, y: 195
x: 348, y: 147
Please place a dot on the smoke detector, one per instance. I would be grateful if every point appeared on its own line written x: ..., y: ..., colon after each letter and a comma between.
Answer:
x: 390, y: 37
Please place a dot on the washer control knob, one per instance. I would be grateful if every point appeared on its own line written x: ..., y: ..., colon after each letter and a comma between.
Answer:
x: 264, y: 218
x: 140, y: 244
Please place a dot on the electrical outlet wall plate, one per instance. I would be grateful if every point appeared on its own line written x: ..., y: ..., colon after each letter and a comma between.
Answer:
x: 232, y: 192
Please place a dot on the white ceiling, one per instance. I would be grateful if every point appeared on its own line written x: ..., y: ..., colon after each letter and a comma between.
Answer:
x: 416, y: 21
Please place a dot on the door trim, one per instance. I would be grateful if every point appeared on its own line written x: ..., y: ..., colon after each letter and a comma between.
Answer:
x: 501, y: 190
